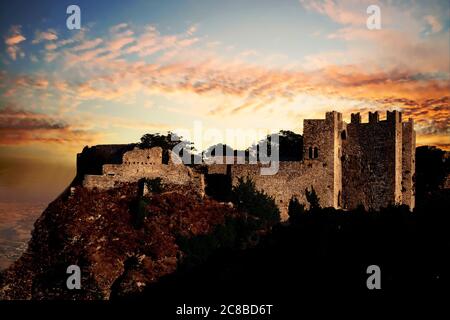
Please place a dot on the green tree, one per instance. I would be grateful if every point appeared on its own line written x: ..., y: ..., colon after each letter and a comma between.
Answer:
x: 295, y: 209
x: 289, y: 146
x: 313, y: 199
x: 167, y: 143
x: 432, y: 167
x: 256, y: 203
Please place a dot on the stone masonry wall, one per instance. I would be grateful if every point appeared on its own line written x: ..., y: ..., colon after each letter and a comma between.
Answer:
x: 408, y: 163
x: 323, y: 142
x: 92, y: 159
x: 292, y: 179
x: 372, y: 162
x: 144, y: 163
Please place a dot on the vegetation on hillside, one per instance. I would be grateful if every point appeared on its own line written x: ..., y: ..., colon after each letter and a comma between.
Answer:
x: 261, y: 213
x: 256, y: 203
x: 324, y: 252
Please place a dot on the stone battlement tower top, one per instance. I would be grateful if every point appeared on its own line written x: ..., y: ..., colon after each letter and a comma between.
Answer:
x: 379, y: 161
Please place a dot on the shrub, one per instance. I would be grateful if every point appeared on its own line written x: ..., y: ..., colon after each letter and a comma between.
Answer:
x: 155, y: 185
x: 256, y: 203
x: 295, y: 209
x: 225, y: 236
x: 313, y: 199
x: 166, y: 142
x: 141, y: 212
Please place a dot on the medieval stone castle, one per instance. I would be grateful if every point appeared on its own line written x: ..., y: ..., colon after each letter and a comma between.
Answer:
x: 348, y: 164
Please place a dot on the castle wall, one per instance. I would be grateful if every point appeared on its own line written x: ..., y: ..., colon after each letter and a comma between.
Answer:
x: 292, y: 179
x: 217, y: 168
x: 396, y: 117
x: 92, y: 159
x: 372, y: 162
x: 143, y: 163
x: 325, y: 136
x: 408, y: 164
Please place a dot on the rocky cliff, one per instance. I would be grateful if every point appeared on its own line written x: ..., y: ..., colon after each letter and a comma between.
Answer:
x: 119, y: 250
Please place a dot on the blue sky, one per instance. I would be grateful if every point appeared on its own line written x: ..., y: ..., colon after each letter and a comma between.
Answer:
x: 154, y: 66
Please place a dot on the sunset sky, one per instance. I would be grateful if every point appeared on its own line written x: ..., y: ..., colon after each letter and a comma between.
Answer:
x: 153, y: 66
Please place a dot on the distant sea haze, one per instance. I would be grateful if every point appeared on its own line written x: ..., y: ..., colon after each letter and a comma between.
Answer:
x: 16, y: 223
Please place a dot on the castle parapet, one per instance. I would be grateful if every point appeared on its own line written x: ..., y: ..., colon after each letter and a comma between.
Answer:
x: 394, y: 116
x: 408, y: 124
x: 374, y: 117
x: 356, y: 118
x: 333, y: 115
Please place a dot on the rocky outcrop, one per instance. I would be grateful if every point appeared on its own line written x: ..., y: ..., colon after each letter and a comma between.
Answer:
x: 97, y: 231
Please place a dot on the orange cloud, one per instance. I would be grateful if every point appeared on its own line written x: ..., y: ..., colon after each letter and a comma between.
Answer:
x: 24, y: 127
x: 88, y: 45
x: 340, y: 12
x: 239, y: 87
x: 48, y: 35
x: 12, y: 41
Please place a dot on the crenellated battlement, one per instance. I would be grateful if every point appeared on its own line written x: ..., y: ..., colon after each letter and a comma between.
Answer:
x: 374, y: 117
x: 379, y: 165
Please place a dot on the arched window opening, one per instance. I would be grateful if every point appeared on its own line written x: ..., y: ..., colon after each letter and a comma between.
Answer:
x: 316, y: 153
x: 310, y: 153
x: 344, y: 135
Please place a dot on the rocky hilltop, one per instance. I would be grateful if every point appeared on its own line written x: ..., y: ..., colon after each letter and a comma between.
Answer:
x: 121, y: 240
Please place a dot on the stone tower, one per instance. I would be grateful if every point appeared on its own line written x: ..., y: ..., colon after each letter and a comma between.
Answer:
x: 323, y: 143
x: 408, y: 163
x: 378, y: 161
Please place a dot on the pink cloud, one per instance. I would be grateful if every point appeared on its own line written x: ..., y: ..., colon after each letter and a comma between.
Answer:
x: 88, y: 44
x: 12, y: 41
x: 118, y: 27
x: 48, y: 35
x: 18, y: 126
x: 343, y: 12
x: 399, y: 66
x: 434, y: 23
x: 119, y: 43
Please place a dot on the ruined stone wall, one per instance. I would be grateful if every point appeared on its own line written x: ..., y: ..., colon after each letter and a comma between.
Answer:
x: 408, y: 164
x: 292, y: 179
x: 92, y: 159
x: 372, y: 162
x: 218, y: 168
x: 144, y: 163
